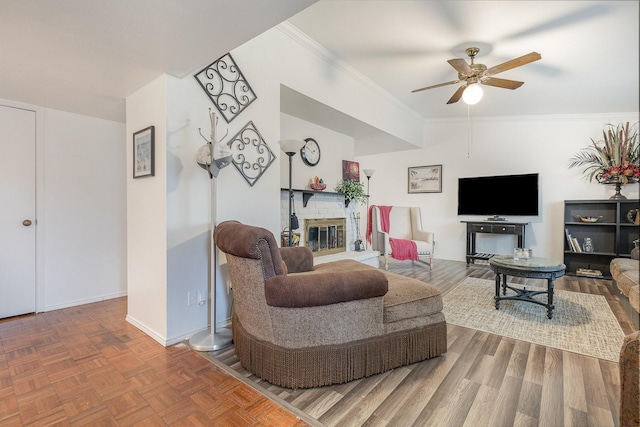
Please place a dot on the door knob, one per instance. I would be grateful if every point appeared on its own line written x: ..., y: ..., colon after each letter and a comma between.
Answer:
x: 26, y: 222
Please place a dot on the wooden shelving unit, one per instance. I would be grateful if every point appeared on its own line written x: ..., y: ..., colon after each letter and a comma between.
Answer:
x: 612, y: 235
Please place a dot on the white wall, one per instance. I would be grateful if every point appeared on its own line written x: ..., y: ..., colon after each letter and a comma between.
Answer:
x: 84, y: 218
x: 167, y: 255
x: 147, y: 215
x: 80, y: 205
x: 497, y: 146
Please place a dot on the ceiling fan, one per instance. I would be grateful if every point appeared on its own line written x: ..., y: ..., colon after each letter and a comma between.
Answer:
x: 473, y: 74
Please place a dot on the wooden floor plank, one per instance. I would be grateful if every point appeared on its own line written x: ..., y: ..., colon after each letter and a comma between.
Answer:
x: 86, y: 365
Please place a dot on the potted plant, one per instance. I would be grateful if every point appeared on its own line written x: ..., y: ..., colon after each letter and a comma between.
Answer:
x: 613, y: 160
x: 352, y: 190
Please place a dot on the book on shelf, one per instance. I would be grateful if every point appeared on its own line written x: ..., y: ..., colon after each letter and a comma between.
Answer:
x: 576, y: 245
x: 587, y: 272
x: 568, y: 235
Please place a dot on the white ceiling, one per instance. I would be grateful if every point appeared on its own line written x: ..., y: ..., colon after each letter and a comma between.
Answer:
x: 85, y: 56
x: 589, y: 51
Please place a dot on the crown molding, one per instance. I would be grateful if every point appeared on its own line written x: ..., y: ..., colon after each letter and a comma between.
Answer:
x: 322, y: 52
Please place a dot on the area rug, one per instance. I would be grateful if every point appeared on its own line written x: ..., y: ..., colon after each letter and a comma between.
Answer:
x: 581, y: 323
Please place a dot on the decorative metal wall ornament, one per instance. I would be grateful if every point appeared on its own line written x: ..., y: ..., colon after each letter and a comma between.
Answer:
x: 226, y: 86
x: 251, y: 154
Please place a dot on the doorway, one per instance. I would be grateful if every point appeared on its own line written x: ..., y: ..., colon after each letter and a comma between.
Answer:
x: 18, y: 215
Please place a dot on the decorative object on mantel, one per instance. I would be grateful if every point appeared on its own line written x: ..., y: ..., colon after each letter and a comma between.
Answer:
x: 317, y: 184
x: 144, y: 152
x: 350, y: 171
x: 251, y: 154
x: 425, y: 179
x: 614, y: 159
x: 352, y: 190
x: 291, y: 147
x: 226, y: 86
x: 213, y: 156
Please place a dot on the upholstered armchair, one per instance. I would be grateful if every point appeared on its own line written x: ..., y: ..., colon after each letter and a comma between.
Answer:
x: 396, y: 227
x: 297, y: 325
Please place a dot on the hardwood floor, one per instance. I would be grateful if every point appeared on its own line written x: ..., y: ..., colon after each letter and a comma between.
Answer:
x: 484, y: 379
x: 86, y: 366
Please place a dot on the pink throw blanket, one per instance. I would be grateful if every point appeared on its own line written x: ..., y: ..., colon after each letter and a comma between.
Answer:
x: 401, y: 249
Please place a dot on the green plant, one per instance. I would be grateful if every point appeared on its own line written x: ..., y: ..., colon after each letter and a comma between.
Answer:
x: 352, y: 190
x: 616, y: 156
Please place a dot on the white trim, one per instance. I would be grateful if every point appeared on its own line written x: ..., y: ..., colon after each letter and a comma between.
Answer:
x: 316, y: 48
x: 153, y: 334
x: 85, y: 301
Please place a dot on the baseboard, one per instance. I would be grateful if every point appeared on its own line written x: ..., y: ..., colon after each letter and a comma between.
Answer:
x: 164, y: 341
x: 153, y: 334
x: 83, y: 301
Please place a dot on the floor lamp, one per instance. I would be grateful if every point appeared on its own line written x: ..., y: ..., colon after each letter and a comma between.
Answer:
x: 369, y: 173
x: 213, y: 158
x: 290, y: 147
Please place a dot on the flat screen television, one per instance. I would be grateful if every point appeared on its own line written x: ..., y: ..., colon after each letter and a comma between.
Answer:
x: 515, y: 195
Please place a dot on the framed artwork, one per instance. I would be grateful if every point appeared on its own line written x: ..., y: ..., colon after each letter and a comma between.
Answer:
x: 144, y: 152
x: 350, y: 171
x: 425, y: 179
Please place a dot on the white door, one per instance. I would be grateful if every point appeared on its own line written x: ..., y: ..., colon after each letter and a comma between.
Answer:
x: 17, y: 211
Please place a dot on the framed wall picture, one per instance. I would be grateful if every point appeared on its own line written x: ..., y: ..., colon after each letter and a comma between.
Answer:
x: 350, y: 170
x: 425, y: 179
x: 144, y: 152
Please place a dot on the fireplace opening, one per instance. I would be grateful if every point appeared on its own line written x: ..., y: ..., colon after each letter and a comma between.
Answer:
x: 325, y: 236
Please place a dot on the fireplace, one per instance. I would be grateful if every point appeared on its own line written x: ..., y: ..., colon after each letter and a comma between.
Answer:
x: 325, y: 236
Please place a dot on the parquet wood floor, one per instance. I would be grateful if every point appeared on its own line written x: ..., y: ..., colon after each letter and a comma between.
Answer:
x: 86, y: 366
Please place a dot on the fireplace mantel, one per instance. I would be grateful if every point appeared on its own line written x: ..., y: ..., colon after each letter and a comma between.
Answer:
x: 307, y: 194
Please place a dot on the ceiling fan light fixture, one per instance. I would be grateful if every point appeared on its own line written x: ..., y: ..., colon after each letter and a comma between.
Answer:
x: 472, y: 94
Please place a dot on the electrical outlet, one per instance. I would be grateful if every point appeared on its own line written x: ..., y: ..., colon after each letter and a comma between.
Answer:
x: 201, y: 298
x: 192, y: 297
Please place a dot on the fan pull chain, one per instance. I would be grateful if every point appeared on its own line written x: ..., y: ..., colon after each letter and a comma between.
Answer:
x: 468, y: 131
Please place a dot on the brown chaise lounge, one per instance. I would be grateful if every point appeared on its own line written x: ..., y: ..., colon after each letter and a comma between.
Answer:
x: 300, y: 326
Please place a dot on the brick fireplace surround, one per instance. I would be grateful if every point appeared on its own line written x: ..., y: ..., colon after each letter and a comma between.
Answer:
x: 320, y: 206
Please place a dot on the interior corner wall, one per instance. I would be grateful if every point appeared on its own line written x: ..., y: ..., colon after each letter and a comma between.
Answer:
x: 84, y: 213
x: 80, y: 208
x: 168, y: 215
x: 334, y: 148
x: 147, y: 215
x: 497, y: 146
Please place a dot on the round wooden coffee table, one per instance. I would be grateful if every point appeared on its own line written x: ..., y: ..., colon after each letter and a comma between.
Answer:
x: 533, y: 268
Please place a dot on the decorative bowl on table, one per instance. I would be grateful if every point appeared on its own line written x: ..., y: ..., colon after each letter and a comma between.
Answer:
x: 589, y: 218
x: 318, y: 187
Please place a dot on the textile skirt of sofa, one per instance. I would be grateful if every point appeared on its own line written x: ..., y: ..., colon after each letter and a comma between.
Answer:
x: 336, y: 364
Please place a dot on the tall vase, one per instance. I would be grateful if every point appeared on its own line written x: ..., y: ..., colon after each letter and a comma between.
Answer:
x: 618, y: 183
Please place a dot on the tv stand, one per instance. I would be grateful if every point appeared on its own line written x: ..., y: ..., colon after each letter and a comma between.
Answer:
x: 492, y: 227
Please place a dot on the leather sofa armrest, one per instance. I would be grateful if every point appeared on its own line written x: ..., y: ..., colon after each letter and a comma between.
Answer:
x: 313, y: 289
x: 298, y: 259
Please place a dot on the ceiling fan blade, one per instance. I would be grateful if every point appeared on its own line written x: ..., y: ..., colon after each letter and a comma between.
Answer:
x: 525, y: 59
x: 435, y: 86
x: 503, y: 83
x: 456, y: 96
x: 461, y: 66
